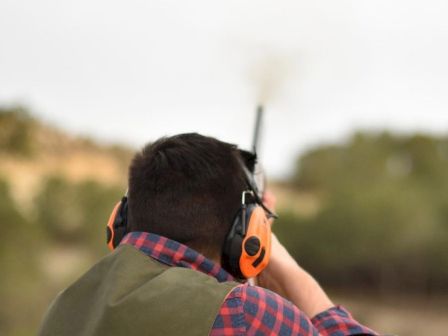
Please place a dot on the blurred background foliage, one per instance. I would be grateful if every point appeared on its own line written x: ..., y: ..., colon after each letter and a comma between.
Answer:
x: 16, y: 131
x: 368, y: 215
x: 382, y: 220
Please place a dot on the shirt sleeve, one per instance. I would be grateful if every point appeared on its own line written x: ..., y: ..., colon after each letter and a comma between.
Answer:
x: 338, y: 321
x: 252, y: 310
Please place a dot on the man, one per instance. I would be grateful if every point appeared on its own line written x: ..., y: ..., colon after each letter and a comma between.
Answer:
x: 172, y: 273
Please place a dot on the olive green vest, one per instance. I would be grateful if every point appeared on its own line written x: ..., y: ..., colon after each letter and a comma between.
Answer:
x: 128, y: 293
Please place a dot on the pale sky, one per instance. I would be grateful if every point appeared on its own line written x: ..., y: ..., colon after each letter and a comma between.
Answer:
x: 133, y: 71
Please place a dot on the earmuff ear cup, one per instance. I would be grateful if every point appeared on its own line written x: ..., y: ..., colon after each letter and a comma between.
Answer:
x: 246, y: 254
x: 233, y: 247
x: 256, y: 246
x: 110, y: 231
x: 117, y: 224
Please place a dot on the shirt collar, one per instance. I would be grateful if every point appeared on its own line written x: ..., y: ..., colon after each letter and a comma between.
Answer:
x: 173, y: 253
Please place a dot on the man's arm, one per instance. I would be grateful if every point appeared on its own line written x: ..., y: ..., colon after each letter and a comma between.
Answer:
x: 284, y: 276
x: 309, y: 312
x: 253, y: 310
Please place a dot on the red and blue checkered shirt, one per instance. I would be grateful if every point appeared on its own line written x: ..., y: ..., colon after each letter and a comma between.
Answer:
x: 248, y: 310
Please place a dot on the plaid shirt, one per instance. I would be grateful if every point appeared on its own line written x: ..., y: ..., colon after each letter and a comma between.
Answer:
x: 248, y: 310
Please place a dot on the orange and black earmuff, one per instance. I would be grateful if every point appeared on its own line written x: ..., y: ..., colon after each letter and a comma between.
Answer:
x: 248, y: 245
x: 117, y: 224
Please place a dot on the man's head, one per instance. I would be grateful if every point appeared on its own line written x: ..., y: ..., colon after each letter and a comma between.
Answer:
x: 187, y: 188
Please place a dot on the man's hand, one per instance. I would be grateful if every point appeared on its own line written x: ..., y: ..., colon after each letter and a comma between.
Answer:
x: 285, y: 277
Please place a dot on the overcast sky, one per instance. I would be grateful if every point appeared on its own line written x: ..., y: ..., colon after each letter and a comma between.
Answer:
x: 135, y: 70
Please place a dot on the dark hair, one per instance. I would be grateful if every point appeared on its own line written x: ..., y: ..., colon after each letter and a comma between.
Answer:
x: 187, y: 188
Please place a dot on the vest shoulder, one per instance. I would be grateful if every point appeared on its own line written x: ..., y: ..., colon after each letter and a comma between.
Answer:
x: 127, y: 291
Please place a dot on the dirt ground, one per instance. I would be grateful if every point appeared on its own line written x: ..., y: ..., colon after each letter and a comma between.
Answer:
x: 398, y: 314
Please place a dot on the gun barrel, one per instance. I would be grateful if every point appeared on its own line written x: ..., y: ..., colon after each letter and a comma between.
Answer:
x: 256, y: 138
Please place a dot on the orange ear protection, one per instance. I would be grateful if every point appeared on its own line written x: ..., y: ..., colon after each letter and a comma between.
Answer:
x: 248, y: 244
x: 117, y: 224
